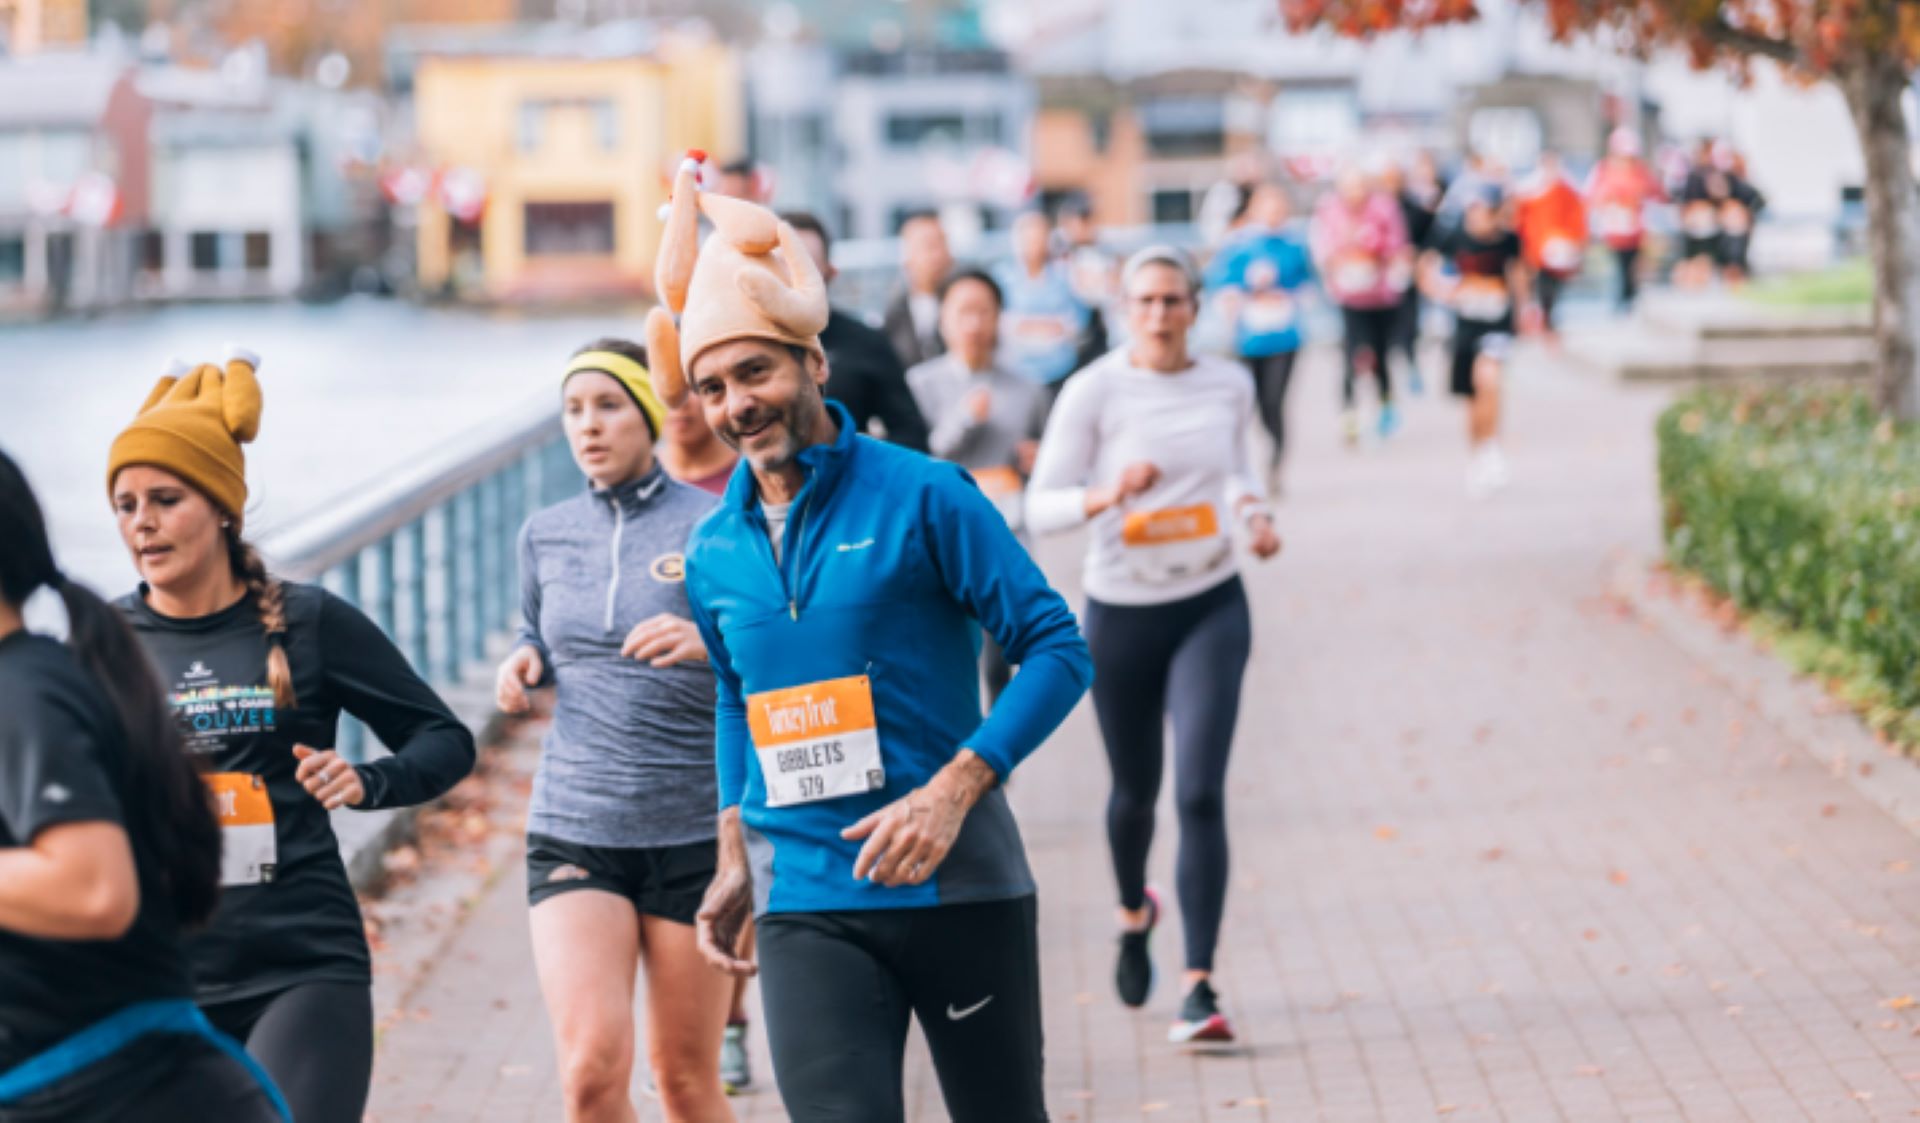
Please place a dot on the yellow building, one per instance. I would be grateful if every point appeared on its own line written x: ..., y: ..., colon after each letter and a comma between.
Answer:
x: 33, y: 25
x: 549, y: 164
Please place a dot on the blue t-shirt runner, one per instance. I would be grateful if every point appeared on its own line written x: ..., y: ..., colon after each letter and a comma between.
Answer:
x: 1043, y: 323
x: 1267, y: 270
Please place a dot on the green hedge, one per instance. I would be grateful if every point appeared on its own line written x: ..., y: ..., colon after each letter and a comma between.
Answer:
x: 1802, y: 505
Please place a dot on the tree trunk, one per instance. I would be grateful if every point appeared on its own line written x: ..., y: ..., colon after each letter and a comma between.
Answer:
x: 1873, y: 86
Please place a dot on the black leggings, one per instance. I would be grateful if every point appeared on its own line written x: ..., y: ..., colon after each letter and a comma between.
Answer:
x: 1548, y: 288
x: 1628, y: 259
x: 1271, y: 374
x: 315, y: 1040
x: 1182, y: 660
x: 838, y: 989
x: 1406, y: 329
x: 1371, y: 329
x: 161, y: 1078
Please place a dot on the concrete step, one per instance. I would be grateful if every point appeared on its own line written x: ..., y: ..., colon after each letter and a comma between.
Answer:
x: 1638, y: 356
x: 1718, y: 316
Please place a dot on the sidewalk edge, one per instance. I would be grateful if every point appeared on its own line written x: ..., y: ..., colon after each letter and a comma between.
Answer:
x: 1794, y: 704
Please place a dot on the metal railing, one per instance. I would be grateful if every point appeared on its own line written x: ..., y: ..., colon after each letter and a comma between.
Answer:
x: 429, y: 552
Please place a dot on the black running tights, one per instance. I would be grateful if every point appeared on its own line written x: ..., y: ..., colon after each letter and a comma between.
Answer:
x: 314, y: 1039
x: 1271, y: 374
x: 1370, y: 330
x: 1182, y: 661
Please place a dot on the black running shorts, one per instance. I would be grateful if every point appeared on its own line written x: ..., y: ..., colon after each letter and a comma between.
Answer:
x: 663, y: 881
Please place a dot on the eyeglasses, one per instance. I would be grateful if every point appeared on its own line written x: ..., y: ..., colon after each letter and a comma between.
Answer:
x: 1169, y: 301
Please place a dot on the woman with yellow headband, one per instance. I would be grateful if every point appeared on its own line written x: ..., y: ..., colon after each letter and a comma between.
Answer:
x: 620, y: 835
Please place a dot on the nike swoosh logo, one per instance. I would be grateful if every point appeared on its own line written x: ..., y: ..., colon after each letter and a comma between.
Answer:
x: 961, y: 1015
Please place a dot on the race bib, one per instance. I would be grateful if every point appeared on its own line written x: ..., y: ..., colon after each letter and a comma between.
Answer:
x: 1735, y: 219
x: 817, y: 742
x: 1267, y: 312
x: 249, y: 852
x: 1482, y: 298
x: 1618, y: 221
x: 1400, y: 276
x: 1036, y: 330
x: 1700, y: 220
x: 1356, y: 275
x: 1172, y: 543
x: 1004, y: 486
x: 1562, y: 255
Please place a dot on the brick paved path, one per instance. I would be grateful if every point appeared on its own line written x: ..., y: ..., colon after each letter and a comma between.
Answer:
x: 1501, y: 850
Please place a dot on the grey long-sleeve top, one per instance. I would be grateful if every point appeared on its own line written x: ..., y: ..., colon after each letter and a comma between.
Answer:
x: 628, y: 761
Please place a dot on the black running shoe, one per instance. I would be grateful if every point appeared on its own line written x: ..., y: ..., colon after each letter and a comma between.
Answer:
x: 1200, y: 1017
x: 1133, y: 974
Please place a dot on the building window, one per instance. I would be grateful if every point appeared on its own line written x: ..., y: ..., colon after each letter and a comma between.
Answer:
x: 153, y: 251
x: 569, y: 229
x: 13, y: 259
x: 910, y: 130
x: 1173, y: 206
x: 258, y: 250
x: 204, y: 248
x: 533, y: 115
x: 1185, y: 126
x: 1312, y: 121
x: 606, y: 124
x: 1101, y: 125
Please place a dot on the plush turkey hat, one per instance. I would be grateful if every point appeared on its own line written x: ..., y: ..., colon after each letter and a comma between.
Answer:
x: 752, y: 279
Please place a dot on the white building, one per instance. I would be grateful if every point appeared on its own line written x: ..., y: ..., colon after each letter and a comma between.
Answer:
x: 73, y: 181
x: 226, y: 219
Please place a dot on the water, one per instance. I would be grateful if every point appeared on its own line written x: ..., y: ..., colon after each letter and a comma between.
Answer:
x: 352, y: 391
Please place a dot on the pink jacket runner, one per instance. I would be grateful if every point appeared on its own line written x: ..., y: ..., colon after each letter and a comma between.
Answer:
x: 1362, y: 255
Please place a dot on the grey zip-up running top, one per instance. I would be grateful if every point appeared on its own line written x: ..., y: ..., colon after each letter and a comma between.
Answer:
x: 628, y: 761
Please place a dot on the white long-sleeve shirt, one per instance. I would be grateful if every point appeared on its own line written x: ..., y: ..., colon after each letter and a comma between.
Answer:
x: 1175, y: 540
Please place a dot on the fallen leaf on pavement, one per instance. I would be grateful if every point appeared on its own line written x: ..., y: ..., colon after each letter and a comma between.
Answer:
x: 1618, y: 877
x: 1898, y: 1002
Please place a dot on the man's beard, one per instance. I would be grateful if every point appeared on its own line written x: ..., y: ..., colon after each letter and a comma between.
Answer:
x: 792, y: 421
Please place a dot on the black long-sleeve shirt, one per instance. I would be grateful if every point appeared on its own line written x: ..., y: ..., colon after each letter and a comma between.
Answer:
x: 865, y: 375
x: 287, y: 913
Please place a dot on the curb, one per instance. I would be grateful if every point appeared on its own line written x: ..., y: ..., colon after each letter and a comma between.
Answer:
x: 1794, y: 704
x: 366, y: 836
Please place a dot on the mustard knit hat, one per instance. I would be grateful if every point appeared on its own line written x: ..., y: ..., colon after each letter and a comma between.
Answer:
x: 193, y: 424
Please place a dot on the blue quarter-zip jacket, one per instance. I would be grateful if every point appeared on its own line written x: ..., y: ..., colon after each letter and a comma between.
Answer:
x: 892, y: 564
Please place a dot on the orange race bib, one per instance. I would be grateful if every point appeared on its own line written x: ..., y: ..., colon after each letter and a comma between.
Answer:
x: 1006, y: 489
x: 1176, y: 524
x: 1174, y: 542
x: 1482, y: 299
x: 999, y: 481
x: 817, y: 742
x: 249, y: 850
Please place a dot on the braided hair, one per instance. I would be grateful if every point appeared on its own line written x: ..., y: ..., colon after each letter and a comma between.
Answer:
x: 270, y: 596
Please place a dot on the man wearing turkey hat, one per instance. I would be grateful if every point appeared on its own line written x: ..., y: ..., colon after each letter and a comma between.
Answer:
x: 841, y: 587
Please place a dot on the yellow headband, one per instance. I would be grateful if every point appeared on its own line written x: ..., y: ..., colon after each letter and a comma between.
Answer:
x: 631, y: 375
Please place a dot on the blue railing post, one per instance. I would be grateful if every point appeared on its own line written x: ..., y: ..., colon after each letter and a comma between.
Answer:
x: 381, y: 604
x: 419, y: 651
x: 493, y: 568
x: 446, y: 638
x: 473, y: 569
x: 352, y: 735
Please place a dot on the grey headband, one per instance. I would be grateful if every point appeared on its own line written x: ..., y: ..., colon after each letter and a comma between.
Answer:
x: 1162, y: 254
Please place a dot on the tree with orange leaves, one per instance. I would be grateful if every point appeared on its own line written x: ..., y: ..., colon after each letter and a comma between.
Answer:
x: 1868, y: 48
